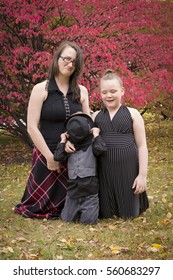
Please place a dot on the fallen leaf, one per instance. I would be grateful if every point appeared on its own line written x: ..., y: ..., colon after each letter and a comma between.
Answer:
x: 115, y: 250
x: 90, y: 255
x: 13, y: 241
x: 72, y: 239
x: 138, y: 219
x: 79, y: 240
x: 33, y: 257
x: 92, y: 229
x: 152, y: 249
x: 164, y: 200
x: 118, y: 249
x: 21, y: 239
x: 111, y: 227
x: 169, y: 215
x: 164, y: 222
x: 59, y: 257
x: 6, y: 234
x: 63, y: 240
x: 142, y: 244
x: 69, y: 245
x: 8, y: 249
x: 158, y: 246
x: 23, y: 256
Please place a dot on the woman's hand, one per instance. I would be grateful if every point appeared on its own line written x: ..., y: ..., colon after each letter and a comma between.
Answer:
x: 69, y: 147
x: 64, y: 136
x: 53, y: 165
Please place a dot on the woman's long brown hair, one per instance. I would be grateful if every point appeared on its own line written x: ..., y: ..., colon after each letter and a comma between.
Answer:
x: 53, y: 70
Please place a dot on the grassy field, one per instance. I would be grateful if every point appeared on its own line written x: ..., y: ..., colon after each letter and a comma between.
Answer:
x: 147, y: 237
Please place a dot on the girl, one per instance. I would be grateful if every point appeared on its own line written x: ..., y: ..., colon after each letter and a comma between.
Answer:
x: 122, y: 169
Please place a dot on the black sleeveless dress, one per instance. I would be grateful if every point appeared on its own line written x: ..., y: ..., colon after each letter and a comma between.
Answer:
x: 45, y: 190
x: 118, y: 167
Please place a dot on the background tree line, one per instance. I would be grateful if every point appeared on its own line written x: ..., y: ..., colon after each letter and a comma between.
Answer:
x: 135, y: 38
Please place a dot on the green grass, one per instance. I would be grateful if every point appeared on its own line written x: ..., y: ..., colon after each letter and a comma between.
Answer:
x: 147, y: 237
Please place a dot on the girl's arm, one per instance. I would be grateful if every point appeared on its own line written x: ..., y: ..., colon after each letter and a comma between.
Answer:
x: 140, y: 138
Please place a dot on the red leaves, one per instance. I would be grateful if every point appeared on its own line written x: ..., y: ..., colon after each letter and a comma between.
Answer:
x: 132, y: 37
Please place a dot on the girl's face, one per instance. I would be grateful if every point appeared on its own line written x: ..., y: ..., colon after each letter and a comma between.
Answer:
x: 111, y: 93
x: 66, y: 61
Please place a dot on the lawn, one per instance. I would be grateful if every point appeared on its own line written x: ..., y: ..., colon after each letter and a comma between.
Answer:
x: 147, y: 237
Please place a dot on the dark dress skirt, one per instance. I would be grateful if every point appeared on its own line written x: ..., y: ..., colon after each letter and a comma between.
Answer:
x: 45, y: 190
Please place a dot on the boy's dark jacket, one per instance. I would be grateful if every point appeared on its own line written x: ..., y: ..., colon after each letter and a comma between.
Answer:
x: 82, y: 163
x: 98, y: 148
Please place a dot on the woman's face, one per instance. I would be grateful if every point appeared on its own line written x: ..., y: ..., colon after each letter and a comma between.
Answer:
x: 111, y: 93
x: 66, y: 61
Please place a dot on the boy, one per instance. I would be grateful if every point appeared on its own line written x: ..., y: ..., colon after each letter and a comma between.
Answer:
x: 82, y: 203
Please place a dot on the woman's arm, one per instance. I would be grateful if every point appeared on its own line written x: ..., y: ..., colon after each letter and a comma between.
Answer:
x: 38, y: 95
x: 93, y: 116
x: 84, y: 100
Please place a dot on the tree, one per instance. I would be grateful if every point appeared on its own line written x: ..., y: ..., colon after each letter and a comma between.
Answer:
x: 133, y: 37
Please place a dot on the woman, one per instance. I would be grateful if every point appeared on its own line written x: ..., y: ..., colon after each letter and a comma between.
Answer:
x: 51, y: 103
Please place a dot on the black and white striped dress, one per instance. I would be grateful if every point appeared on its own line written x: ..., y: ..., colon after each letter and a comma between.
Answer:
x: 118, y: 167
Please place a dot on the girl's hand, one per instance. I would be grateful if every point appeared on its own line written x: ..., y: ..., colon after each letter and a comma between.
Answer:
x: 95, y: 131
x: 139, y: 184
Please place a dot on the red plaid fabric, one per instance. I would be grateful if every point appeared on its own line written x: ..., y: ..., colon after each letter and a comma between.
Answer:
x: 45, y: 190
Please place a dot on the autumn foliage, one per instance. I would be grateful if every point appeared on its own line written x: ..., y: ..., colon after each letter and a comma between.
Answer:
x: 133, y: 37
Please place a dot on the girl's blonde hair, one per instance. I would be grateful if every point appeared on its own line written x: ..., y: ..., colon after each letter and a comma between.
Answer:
x: 110, y: 75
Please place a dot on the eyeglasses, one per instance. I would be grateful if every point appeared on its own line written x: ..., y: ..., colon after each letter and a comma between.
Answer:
x: 68, y: 60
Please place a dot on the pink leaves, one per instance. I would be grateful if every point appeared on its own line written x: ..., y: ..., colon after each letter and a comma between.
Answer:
x: 132, y: 37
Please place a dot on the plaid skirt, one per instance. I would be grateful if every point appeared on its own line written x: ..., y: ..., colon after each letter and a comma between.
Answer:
x: 45, y: 191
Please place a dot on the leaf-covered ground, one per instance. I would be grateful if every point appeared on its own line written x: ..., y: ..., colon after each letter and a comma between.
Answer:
x: 147, y: 237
